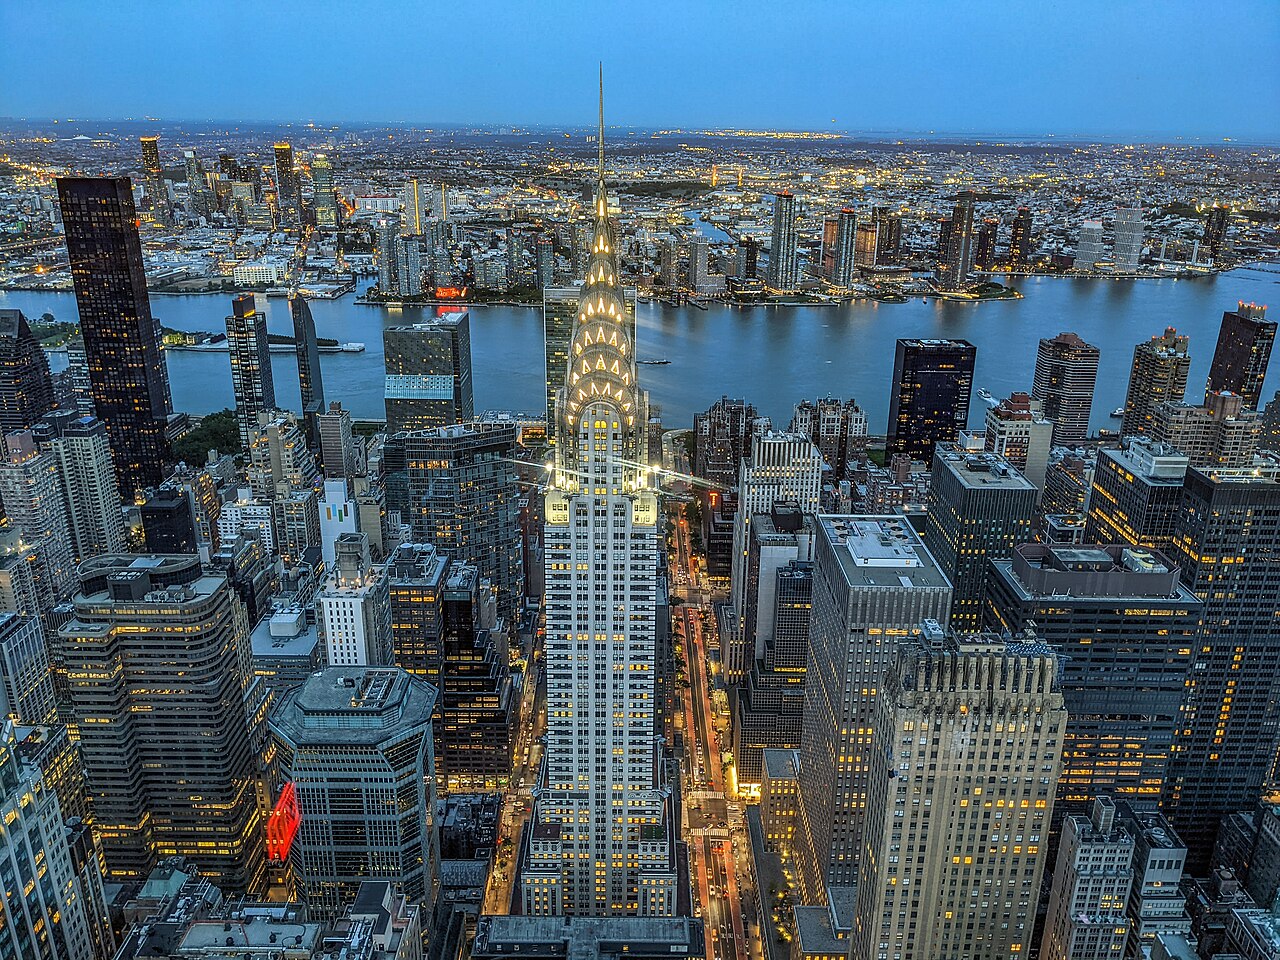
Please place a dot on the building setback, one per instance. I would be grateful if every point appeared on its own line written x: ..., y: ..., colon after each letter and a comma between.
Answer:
x: 954, y: 709
x: 874, y: 582
x: 159, y: 684
x: 1159, y: 374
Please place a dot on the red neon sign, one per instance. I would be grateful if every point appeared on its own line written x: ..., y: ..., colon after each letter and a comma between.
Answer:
x: 451, y: 293
x: 282, y: 825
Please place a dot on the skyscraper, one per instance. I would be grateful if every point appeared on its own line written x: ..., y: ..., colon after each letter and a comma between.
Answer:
x: 784, y: 253
x: 354, y: 607
x: 958, y: 262
x: 1128, y: 245
x: 337, y: 443
x: 873, y: 583
x: 838, y: 429
x: 602, y: 837
x: 846, y: 246
x: 88, y: 479
x: 1224, y: 541
x: 428, y: 368
x: 1065, y: 378
x: 1244, y: 349
x: 1018, y: 431
x: 1090, y: 888
x: 545, y: 261
x: 1088, y: 246
x: 1220, y: 433
x: 310, y: 380
x: 356, y: 757
x: 984, y: 257
x: 697, y: 264
x: 417, y: 208
x: 559, y: 313
x: 32, y: 495
x: 47, y: 915
x: 408, y: 266
x: 323, y: 197
x: 980, y: 508
x: 1216, y: 219
x: 26, y: 682
x: 932, y: 381
x: 1020, y: 239
x: 777, y: 466
x: 278, y: 453
x: 1159, y: 373
x: 954, y: 710
x: 456, y: 487
x: 153, y: 173
x: 163, y: 716
x: 1136, y: 495
x: 26, y: 388
x: 866, y: 248
x: 1124, y: 628
x: 386, y: 232
x: 286, y: 180
x: 121, y: 338
x: 251, y: 379
x: 199, y: 200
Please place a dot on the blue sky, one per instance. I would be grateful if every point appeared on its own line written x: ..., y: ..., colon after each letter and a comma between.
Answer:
x: 1114, y: 68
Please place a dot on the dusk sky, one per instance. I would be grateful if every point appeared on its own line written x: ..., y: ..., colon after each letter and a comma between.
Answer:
x: 1111, y: 68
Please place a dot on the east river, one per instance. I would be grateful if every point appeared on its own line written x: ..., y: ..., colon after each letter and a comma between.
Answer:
x: 773, y: 356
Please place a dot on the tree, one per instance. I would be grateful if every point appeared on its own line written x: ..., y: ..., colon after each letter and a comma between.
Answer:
x: 217, y: 431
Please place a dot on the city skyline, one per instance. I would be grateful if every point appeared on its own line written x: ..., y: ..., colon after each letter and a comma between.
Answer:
x: 1097, y: 67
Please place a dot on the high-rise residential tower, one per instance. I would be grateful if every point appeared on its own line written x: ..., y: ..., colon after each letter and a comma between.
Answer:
x: 1018, y: 431
x: 784, y: 251
x: 157, y: 658
x: 1244, y: 349
x: 838, y: 428
x: 1020, y: 239
x: 957, y: 264
x: 354, y: 607
x: 1159, y: 374
x: 1065, y: 377
x: 286, y: 179
x: 602, y: 838
x: 89, y: 487
x: 874, y: 582
x: 323, y: 197
x: 980, y: 508
x: 843, y: 268
x: 153, y: 172
x: 251, y: 379
x: 127, y: 373
x: 26, y: 388
x: 1128, y: 243
x: 932, y: 382
x: 954, y: 710
x: 428, y: 366
x: 1089, y: 245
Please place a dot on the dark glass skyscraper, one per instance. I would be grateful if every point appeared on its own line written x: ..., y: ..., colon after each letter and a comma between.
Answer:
x: 1124, y: 630
x: 286, y: 178
x: 1243, y: 352
x: 428, y: 368
x: 1020, y: 239
x: 310, y: 382
x: 932, y: 381
x: 127, y: 373
x: 26, y: 388
x: 250, y: 351
x: 1226, y: 542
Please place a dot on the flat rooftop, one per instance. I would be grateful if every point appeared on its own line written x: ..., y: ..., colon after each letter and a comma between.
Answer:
x: 881, y: 551
x: 981, y: 471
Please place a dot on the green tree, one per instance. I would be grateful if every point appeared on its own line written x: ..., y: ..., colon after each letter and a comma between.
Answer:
x: 217, y: 431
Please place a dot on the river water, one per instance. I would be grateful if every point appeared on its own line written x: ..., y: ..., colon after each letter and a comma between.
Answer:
x: 773, y: 356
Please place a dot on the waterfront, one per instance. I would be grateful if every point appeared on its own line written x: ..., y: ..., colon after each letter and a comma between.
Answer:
x: 773, y: 356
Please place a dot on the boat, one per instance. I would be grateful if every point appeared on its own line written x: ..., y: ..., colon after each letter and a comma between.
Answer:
x: 1117, y: 413
x: 655, y: 363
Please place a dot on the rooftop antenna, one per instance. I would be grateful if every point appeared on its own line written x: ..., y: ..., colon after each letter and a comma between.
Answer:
x: 600, y: 135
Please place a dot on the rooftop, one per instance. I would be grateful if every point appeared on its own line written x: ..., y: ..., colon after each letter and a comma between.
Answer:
x: 881, y: 551
x: 981, y: 471
x: 354, y: 705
